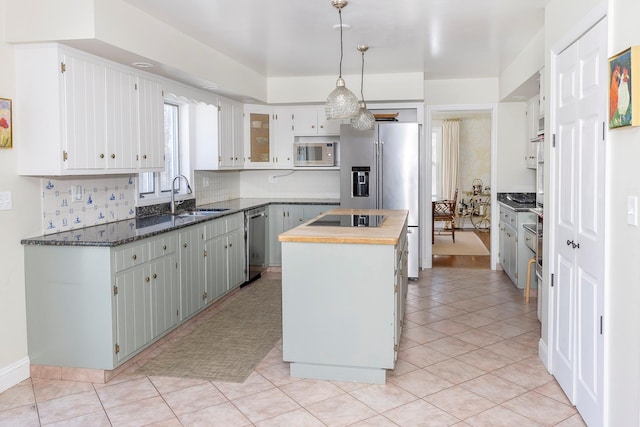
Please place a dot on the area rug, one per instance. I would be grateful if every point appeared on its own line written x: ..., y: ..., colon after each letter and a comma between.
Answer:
x: 228, y: 345
x: 467, y: 243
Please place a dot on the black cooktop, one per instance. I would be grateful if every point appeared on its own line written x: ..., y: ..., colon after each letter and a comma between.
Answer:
x: 349, y: 221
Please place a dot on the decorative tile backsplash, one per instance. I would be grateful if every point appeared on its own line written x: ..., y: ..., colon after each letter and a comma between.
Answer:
x: 71, y: 203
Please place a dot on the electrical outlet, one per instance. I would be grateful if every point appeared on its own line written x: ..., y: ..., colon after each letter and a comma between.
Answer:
x: 77, y: 194
x: 632, y: 210
x: 273, y: 179
x: 205, y: 182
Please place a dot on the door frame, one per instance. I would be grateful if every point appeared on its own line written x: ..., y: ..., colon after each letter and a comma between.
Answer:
x: 427, y: 249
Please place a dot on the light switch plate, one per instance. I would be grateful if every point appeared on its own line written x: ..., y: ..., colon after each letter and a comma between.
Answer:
x: 5, y: 200
x: 632, y: 210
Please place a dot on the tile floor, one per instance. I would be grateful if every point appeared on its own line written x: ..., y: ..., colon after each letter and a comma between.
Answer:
x: 468, y: 357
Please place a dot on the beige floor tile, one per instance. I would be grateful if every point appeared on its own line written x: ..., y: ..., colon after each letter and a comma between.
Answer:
x: 494, y: 388
x: 383, y: 397
x: 451, y: 346
x: 193, y: 398
x: 406, y: 343
x: 125, y: 392
x: 541, y: 409
x: 524, y: 375
x: 422, y: 317
x: 17, y: 396
x: 24, y: 416
x: 140, y: 413
x: 274, y: 357
x: 421, y: 334
x: 402, y: 367
x: 420, y: 414
x: 574, y: 421
x: 422, y: 356
x: 500, y: 417
x: 299, y: 417
x: 169, y: 384
x: 97, y: 419
x: 420, y: 383
x: 67, y: 407
x: 473, y: 320
x: 447, y: 311
x: 459, y: 402
x: 225, y: 414
x: 264, y: 405
x: 455, y: 371
x: 307, y: 392
x: 449, y: 327
x: 512, y: 350
x: 503, y: 329
x: 341, y: 411
x: 277, y: 374
x: 255, y: 383
x: 50, y: 389
x: 485, y: 359
x: 377, y: 421
x: 171, y: 422
x: 553, y: 390
x: 478, y: 337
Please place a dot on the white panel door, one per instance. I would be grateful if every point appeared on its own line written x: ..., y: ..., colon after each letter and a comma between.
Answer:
x: 578, y: 344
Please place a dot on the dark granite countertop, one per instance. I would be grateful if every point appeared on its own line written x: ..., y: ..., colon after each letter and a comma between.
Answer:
x: 519, y: 202
x: 121, y: 232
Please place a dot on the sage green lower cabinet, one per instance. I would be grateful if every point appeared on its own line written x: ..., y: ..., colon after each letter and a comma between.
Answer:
x: 193, y: 284
x: 285, y: 217
x: 342, y: 312
x: 514, y: 255
x: 225, y: 255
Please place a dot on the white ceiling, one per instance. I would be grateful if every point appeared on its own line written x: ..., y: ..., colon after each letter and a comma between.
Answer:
x: 445, y: 39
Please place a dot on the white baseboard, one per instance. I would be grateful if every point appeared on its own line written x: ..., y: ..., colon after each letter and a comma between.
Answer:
x: 14, y: 374
x: 543, y: 354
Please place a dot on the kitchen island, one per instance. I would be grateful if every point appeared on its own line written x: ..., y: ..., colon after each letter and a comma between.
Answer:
x: 344, y: 285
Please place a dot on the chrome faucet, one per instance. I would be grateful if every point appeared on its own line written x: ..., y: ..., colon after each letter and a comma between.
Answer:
x: 173, y: 193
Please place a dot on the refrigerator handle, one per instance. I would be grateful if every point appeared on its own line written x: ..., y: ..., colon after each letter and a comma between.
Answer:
x: 380, y: 174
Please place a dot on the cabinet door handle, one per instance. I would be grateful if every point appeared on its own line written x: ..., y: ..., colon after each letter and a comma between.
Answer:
x: 102, y: 155
x: 164, y: 248
x: 144, y: 156
x: 147, y: 279
x: 134, y: 257
x: 184, y: 245
x: 113, y: 156
x: 155, y: 276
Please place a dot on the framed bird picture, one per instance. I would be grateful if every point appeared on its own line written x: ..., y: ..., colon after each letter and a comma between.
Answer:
x: 623, y: 96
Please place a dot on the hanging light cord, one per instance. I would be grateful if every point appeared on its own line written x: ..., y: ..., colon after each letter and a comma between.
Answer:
x: 362, y: 78
x: 341, y: 50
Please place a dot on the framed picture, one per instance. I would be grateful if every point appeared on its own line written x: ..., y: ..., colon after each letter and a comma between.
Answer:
x: 623, y: 93
x: 6, y: 124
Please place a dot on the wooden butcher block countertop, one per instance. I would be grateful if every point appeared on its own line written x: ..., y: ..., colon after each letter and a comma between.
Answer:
x: 388, y: 233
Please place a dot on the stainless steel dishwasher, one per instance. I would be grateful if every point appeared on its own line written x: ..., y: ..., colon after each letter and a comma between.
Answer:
x: 256, y: 227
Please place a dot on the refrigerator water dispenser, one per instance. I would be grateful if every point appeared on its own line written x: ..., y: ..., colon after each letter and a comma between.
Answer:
x: 360, y: 181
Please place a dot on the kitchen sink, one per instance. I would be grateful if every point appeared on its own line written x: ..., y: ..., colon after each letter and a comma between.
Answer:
x: 197, y: 213
x: 211, y: 209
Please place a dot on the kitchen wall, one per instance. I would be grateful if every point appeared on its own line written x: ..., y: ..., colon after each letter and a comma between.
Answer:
x: 513, y: 176
x: 475, y: 151
x: 24, y: 219
x: 226, y: 185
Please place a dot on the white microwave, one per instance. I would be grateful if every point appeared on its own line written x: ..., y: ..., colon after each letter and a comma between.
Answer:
x: 314, y: 153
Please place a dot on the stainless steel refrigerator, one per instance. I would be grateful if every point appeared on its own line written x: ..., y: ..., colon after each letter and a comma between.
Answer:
x: 380, y: 169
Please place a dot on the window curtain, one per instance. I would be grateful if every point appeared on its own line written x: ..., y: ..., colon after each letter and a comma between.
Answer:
x: 450, y: 155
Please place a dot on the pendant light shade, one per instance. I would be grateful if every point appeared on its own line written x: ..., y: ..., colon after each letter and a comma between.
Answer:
x: 341, y: 103
x: 364, y: 120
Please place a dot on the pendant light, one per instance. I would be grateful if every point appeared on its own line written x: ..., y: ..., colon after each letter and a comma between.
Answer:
x: 364, y: 120
x: 341, y: 103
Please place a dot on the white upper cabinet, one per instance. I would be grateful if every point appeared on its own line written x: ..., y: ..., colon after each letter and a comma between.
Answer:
x: 312, y: 121
x: 78, y: 114
x: 231, y: 142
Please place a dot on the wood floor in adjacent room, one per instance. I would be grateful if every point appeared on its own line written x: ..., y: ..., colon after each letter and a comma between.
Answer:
x: 466, y: 261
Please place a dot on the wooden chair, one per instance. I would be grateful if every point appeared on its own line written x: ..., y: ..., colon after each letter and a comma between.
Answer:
x: 444, y: 210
